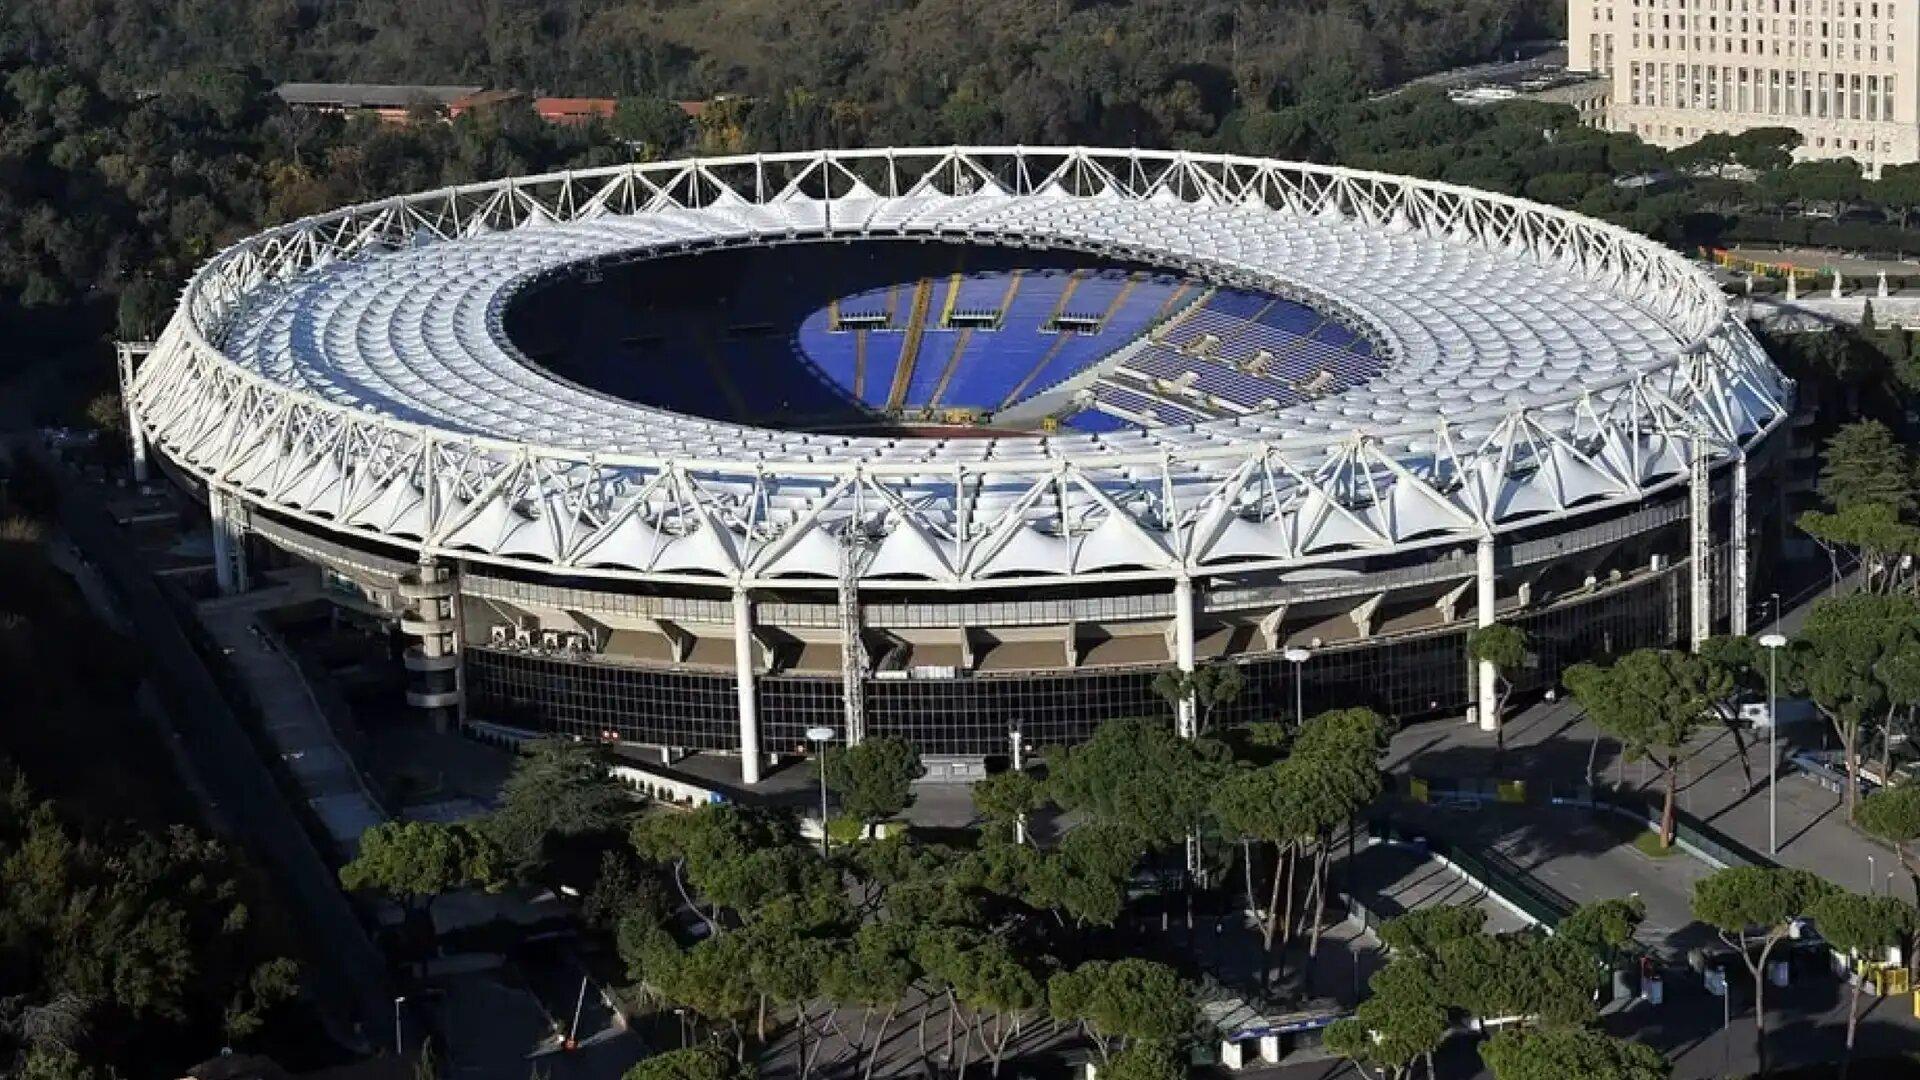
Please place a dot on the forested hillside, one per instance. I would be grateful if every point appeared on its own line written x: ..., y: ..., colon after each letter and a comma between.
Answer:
x: 899, y: 69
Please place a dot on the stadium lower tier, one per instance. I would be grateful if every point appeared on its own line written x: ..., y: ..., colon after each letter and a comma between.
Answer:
x: 1406, y: 675
x: 950, y: 671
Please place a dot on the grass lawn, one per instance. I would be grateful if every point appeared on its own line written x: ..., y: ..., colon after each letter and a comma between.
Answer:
x: 1648, y: 844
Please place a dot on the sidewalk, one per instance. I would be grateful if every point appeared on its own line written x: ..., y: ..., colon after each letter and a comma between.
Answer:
x: 301, y: 735
x: 1552, y: 743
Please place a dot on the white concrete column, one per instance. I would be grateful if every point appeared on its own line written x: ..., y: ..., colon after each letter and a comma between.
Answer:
x: 125, y: 356
x: 136, y: 447
x: 1699, y: 547
x: 1738, y: 580
x: 227, y: 518
x: 1185, y: 720
x: 1486, y: 600
x: 743, y: 675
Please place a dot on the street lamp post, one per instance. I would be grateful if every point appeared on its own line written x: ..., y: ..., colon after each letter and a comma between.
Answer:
x: 1298, y: 657
x: 1775, y: 597
x: 579, y: 1003
x: 820, y: 737
x: 1773, y: 643
x: 399, y: 1047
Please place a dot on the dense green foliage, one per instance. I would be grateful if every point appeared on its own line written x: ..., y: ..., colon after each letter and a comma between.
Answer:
x: 918, y: 71
x: 708, y: 1061
x: 1653, y: 700
x: 1893, y: 814
x: 128, y: 942
x: 124, y: 948
x: 1519, y: 1054
x: 1754, y: 909
x: 558, y: 811
x: 874, y: 780
x: 1443, y: 962
x: 1858, y: 658
x: 416, y: 861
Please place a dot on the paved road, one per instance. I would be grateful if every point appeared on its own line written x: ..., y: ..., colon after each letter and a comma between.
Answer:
x: 294, y: 721
x: 349, y: 974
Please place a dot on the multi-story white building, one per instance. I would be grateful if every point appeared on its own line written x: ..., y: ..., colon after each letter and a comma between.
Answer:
x: 1844, y: 73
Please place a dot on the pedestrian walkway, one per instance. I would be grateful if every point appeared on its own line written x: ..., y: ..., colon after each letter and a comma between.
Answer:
x: 294, y: 721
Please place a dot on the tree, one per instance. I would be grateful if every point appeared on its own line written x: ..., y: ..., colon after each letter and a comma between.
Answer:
x: 1502, y: 646
x: 415, y: 862
x: 1564, y: 1053
x: 1867, y: 480
x: 1851, y: 660
x: 1205, y: 689
x: 708, y: 1061
x: 1875, y: 537
x: 1864, y: 464
x: 105, y: 412
x: 1423, y: 931
x: 1401, y: 1021
x: 1121, y: 1003
x: 1733, y: 662
x: 1146, y: 1061
x: 1831, y: 183
x: 1766, y: 149
x: 1652, y: 700
x: 1004, y: 799
x: 996, y: 983
x: 559, y: 791
x: 726, y: 859
x: 1864, y: 927
x: 1603, y: 927
x: 1753, y: 908
x: 1898, y: 189
x: 1892, y: 814
x: 1297, y: 803
x: 873, y: 970
x: 655, y: 126
x: 873, y: 779
x: 1528, y: 974
x: 1138, y: 774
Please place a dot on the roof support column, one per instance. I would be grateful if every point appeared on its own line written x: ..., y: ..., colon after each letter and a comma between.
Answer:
x: 743, y: 679
x: 128, y: 354
x: 229, y: 521
x: 853, y: 648
x: 1185, y: 720
x: 1737, y: 578
x: 1700, y: 544
x: 1487, y: 683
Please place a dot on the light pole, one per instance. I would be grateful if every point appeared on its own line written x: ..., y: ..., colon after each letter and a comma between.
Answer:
x: 820, y: 737
x: 1871, y: 878
x: 1775, y: 597
x: 399, y: 1048
x: 1298, y: 657
x: 1773, y: 643
x: 1020, y: 819
x: 573, y: 1032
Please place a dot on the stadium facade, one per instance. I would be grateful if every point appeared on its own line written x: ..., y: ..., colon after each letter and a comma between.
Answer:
x: 935, y: 442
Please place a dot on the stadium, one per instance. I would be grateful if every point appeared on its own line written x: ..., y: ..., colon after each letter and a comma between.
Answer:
x: 939, y: 443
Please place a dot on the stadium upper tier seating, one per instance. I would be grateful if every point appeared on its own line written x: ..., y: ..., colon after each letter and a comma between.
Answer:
x: 859, y: 335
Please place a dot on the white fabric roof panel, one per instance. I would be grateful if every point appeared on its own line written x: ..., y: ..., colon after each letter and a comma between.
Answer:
x: 371, y: 339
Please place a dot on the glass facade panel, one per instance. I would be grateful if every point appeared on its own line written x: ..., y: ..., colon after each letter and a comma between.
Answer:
x: 1402, y: 676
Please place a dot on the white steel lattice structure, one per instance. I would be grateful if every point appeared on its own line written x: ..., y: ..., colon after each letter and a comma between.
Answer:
x: 349, y: 370
x: 349, y: 374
